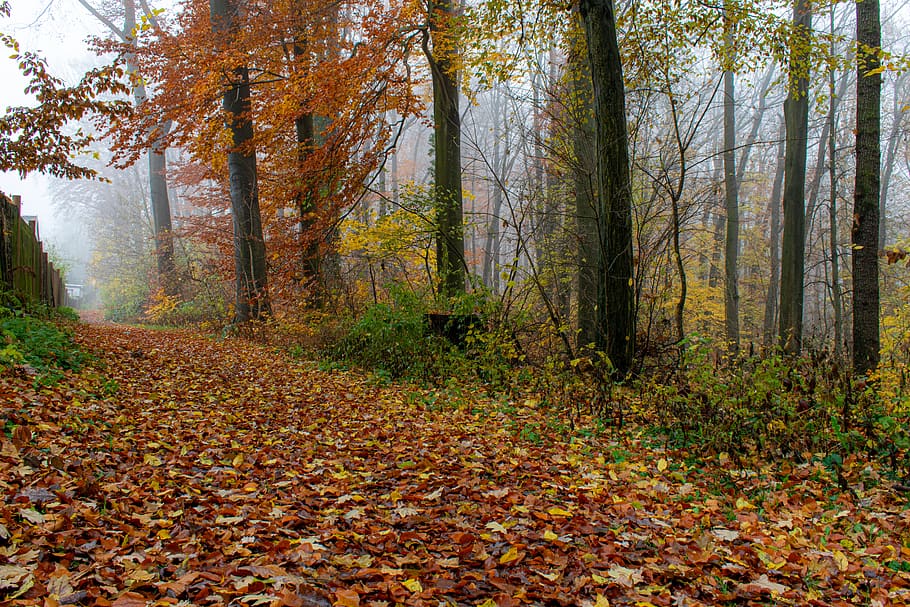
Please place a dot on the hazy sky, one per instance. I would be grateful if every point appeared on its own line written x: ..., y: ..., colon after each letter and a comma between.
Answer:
x: 57, y: 30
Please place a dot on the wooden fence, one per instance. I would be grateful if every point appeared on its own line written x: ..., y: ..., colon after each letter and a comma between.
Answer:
x: 24, y: 267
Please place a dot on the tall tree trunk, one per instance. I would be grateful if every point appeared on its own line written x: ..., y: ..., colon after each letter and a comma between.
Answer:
x: 731, y: 192
x: 796, y: 117
x: 251, y: 299
x: 583, y: 177
x: 491, y: 242
x: 615, y: 290
x: 450, y: 265
x: 680, y: 269
x: 161, y: 211
x: 866, y: 192
x: 305, y: 200
x: 158, y: 192
x: 774, y: 204
x: 586, y: 226
x: 832, y: 207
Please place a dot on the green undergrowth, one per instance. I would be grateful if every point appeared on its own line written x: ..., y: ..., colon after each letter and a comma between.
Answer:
x: 396, y: 341
x: 774, y: 407
x: 750, y: 409
x: 37, y: 340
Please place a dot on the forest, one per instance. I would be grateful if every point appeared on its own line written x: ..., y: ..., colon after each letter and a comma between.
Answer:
x: 625, y: 281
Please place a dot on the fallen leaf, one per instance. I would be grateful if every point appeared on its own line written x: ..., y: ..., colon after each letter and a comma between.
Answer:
x: 511, y: 555
x: 346, y: 598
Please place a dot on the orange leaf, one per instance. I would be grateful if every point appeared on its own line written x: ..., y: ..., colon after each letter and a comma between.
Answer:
x: 346, y: 598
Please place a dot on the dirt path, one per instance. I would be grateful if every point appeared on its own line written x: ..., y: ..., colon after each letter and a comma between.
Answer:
x: 185, y: 470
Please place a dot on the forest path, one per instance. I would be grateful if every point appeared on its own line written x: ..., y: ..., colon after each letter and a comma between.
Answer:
x: 180, y: 469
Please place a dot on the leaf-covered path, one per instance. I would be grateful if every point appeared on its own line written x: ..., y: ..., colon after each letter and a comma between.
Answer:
x: 185, y: 470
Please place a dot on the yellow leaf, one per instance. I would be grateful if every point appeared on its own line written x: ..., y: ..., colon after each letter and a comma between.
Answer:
x: 743, y: 504
x: 601, y: 601
x: 238, y: 460
x: 488, y: 603
x: 548, y: 576
x: 557, y: 511
x: 412, y: 585
x: 164, y: 534
x: 841, y: 559
x: 550, y: 536
x: 599, y: 579
x: 151, y: 460
x: 661, y: 464
x: 512, y: 554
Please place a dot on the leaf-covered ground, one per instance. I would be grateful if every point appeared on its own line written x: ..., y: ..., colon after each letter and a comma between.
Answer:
x: 186, y: 470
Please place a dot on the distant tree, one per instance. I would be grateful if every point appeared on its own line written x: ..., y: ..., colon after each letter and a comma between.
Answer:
x: 157, y: 161
x: 615, y: 289
x: 731, y: 188
x: 866, y: 193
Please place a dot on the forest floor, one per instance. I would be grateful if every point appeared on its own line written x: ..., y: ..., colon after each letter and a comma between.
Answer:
x: 181, y: 469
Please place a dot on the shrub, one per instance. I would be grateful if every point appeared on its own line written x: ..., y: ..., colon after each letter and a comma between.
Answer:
x: 38, y: 343
x: 392, y: 338
x: 776, y: 406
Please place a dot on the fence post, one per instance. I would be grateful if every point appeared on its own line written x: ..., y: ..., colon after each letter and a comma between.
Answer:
x: 6, y: 243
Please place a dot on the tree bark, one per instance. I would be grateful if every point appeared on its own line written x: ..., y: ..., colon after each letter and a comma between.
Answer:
x: 796, y: 118
x: 450, y: 264
x: 866, y: 192
x: 583, y: 177
x: 615, y: 290
x: 832, y: 208
x: 771, y: 301
x: 251, y: 288
x: 305, y: 130
x: 157, y: 162
x: 161, y: 212
x: 731, y: 194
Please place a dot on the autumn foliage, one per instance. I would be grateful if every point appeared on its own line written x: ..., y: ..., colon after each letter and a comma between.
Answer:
x: 341, y: 66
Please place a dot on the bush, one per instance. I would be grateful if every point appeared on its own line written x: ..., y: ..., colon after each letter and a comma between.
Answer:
x: 38, y: 343
x: 392, y: 339
x: 776, y: 406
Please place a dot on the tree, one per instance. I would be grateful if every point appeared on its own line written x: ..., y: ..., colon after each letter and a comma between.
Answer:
x: 731, y: 190
x: 796, y: 118
x: 774, y: 208
x: 867, y: 185
x: 615, y: 289
x: 251, y: 289
x: 583, y: 172
x: 157, y: 160
x: 832, y: 201
x: 442, y: 58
